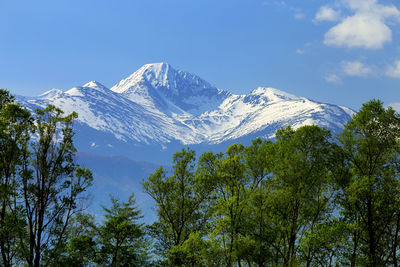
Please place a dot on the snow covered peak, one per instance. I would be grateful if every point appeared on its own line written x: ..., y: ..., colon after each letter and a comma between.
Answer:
x: 163, y: 77
x: 155, y: 73
x: 51, y: 93
x: 91, y: 87
x: 160, y: 104
x: 161, y: 72
x: 95, y: 85
x: 267, y: 95
x: 160, y: 86
x: 273, y: 93
x: 76, y: 91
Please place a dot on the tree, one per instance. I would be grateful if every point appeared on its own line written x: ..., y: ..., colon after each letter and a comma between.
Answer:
x: 299, y: 200
x: 192, y: 252
x: 370, y: 194
x: 121, y: 238
x: 180, y: 202
x: 81, y: 246
x: 229, y: 206
x: 14, y: 124
x: 257, y: 246
x: 51, y: 185
x: 258, y: 161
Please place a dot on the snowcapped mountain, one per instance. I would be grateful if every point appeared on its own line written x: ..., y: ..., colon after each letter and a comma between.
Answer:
x: 160, y: 87
x: 157, y: 110
x: 161, y: 106
x: 103, y: 110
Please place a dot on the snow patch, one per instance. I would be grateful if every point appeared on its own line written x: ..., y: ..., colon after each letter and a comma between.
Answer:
x: 158, y: 104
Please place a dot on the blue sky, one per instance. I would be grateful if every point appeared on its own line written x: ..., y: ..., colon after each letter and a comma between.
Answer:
x: 343, y: 52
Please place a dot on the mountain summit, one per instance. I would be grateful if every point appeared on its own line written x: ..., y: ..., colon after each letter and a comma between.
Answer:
x: 95, y: 85
x: 160, y: 105
x: 160, y: 87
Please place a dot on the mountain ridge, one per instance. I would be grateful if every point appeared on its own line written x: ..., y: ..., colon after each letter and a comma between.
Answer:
x: 160, y: 105
x: 157, y: 111
x: 160, y: 86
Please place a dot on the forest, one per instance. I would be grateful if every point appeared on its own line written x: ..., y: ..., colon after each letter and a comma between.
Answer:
x: 307, y: 198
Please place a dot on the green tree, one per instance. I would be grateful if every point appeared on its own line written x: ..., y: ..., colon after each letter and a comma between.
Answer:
x: 257, y: 244
x: 300, y: 197
x: 81, y: 248
x: 121, y: 238
x: 180, y: 202
x: 258, y: 161
x: 228, y: 209
x: 192, y: 252
x: 118, y: 240
x: 370, y: 193
x: 14, y: 124
x: 51, y: 185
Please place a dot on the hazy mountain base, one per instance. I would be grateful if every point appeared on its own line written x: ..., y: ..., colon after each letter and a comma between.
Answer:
x: 120, y: 168
x: 117, y: 176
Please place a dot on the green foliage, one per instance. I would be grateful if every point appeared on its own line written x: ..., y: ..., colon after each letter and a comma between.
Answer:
x: 180, y: 201
x: 192, y: 252
x: 304, y: 200
x: 121, y: 237
x: 119, y: 240
x: 231, y: 195
x: 369, y: 195
x: 300, y: 194
x: 51, y: 183
x: 81, y: 246
x: 5, y: 98
x: 40, y: 183
x: 14, y: 125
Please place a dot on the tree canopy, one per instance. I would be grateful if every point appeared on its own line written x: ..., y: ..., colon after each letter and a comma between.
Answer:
x: 305, y: 199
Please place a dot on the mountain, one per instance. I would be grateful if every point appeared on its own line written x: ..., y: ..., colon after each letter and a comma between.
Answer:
x: 157, y: 111
x: 160, y: 87
x: 159, y: 108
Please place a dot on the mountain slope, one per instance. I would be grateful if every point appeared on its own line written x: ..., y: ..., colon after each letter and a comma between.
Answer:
x: 161, y: 106
x: 160, y: 87
x: 264, y: 110
x: 104, y: 110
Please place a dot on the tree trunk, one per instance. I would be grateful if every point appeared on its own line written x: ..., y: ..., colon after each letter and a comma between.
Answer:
x: 308, y: 264
x: 293, y: 236
x: 371, y: 235
x: 3, y: 238
x: 396, y: 233
x: 354, y: 254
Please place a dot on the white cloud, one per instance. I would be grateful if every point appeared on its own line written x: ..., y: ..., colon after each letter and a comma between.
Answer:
x: 372, y: 6
x: 326, y: 13
x: 300, y: 51
x: 359, y: 31
x: 394, y: 71
x: 366, y: 28
x: 333, y: 78
x: 355, y: 68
